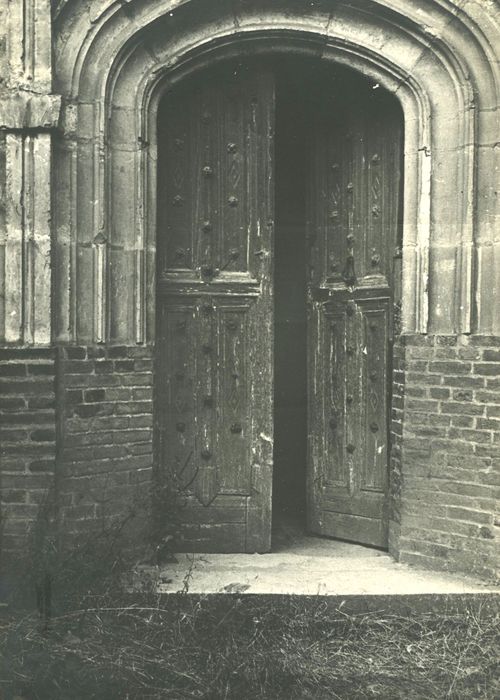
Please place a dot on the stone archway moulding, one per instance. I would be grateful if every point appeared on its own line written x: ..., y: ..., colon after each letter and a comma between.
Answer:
x: 112, y: 63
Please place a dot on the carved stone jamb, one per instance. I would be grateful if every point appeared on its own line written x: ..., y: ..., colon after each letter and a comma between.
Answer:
x: 28, y: 113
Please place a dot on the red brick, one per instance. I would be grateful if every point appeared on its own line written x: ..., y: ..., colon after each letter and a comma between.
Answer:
x: 464, y: 382
x: 95, y: 395
x: 75, y: 352
x: 139, y: 351
x: 445, y: 354
x: 14, y: 496
x: 462, y: 395
x: 26, y: 387
x: 485, y: 340
x: 450, y: 367
x: 446, y: 340
x: 97, y: 352
x: 79, y: 367
x: 491, y: 355
x: 417, y: 339
x: 134, y: 407
x: 462, y: 408
x: 26, y: 511
x: 486, y: 369
x: 466, y: 353
x: 468, y: 515
x: 36, y: 370
x: 42, y: 465
x: 17, y: 370
x: 11, y: 403
x: 488, y: 396
x: 12, y: 435
x: 42, y: 402
x: 104, y: 367
x: 29, y: 419
x: 417, y: 379
x: 131, y: 436
x: 43, y: 435
x: 143, y: 365
x: 118, y: 351
x: 422, y: 405
x: 462, y: 421
x: 26, y: 353
x: 487, y: 424
x: 470, y: 435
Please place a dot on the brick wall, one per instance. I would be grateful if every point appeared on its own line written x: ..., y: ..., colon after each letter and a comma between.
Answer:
x: 106, y: 437
x: 27, y: 439
x: 450, y: 454
x: 96, y: 403
x: 395, y: 463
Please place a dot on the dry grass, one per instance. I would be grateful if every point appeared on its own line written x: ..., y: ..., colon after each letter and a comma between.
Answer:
x: 88, y: 640
x: 244, y: 647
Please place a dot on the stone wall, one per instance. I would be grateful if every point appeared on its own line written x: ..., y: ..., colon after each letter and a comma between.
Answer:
x: 450, y: 456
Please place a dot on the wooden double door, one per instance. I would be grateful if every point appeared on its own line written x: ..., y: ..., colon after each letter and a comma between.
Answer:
x: 219, y: 180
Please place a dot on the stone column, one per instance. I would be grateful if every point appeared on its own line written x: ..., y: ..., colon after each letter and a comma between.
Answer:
x: 28, y: 114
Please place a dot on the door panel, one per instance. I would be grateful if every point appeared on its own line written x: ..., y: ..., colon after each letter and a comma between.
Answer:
x: 352, y: 205
x: 214, y: 383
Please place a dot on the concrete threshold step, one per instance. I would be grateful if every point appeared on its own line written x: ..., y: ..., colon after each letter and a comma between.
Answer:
x: 308, y: 567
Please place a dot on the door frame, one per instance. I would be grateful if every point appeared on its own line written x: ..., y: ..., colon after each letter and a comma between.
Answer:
x: 167, y: 81
x: 108, y: 75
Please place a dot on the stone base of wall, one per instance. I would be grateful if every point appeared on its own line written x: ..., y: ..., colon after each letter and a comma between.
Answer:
x: 446, y: 461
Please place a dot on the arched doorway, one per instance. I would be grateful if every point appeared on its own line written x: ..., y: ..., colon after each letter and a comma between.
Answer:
x: 278, y: 275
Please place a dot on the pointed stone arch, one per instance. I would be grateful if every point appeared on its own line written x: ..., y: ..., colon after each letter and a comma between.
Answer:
x: 433, y: 57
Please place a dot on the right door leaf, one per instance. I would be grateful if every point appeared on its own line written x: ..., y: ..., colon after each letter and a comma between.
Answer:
x: 352, y: 219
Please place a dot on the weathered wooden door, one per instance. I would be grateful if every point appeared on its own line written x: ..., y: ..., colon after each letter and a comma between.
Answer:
x: 353, y: 176
x: 214, y: 337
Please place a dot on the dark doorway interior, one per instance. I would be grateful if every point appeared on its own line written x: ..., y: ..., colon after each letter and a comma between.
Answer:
x: 290, y: 424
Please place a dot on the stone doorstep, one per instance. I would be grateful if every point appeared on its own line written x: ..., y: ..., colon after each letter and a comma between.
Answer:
x: 328, y: 569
